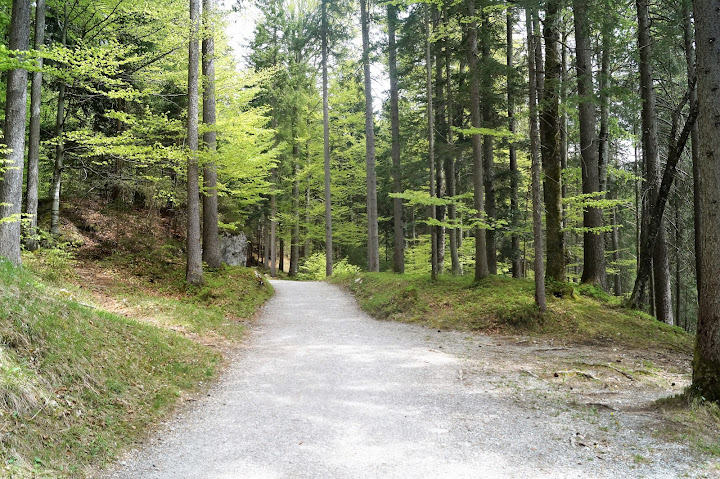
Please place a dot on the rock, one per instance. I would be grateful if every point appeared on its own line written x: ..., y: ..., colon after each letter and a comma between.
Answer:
x: 233, y: 249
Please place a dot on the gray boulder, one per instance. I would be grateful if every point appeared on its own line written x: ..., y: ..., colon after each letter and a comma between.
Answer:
x: 233, y: 249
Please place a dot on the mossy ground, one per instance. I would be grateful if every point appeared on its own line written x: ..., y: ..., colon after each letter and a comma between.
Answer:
x: 501, y: 305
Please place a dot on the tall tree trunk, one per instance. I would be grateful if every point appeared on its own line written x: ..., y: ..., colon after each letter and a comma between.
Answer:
x: 194, y: 272
x: 373, y: 252
x: 604, y: 87
x: 211, y: 236
x: 678, y: 250
x: 431, y: 146
x: 440, y: 131
x: 593, y: 241
x: 481, y: 265
x: 488, y: 147
x: 398, y: 221
x: 550, y: 145
x: 540, y: 300
x: 515, y: 254
x: 31, y: 196
x: 661, y: 267
x: 273, y: 222
x: 281, y: 260
x: 266, y: 243
x: 307, y: 249
x: 694, y: 138
x: 655, y: 213
x: 295, y: 235
x: 564, y: 137
x: 706, y: 365
x: 15, y: 115
x: 617, y: 279
x: 326, y: 145
x: 58, y: 167
x: 604, y: 147
x: 450, y: 161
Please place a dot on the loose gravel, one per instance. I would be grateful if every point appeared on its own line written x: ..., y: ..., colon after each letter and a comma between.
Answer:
x: 323, y: 391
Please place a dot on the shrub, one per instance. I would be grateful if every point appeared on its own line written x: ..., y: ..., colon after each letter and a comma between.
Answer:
x: 313, y: 268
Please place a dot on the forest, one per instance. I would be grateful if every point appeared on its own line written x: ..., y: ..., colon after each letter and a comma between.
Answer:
x: 568, y: 142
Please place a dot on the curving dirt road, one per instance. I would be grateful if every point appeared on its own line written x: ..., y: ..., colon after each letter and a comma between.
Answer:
x: 324, y: 391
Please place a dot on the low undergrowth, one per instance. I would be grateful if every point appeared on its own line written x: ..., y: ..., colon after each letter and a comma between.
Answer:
x: 694, y: 420
x: 503, y: 305
x: 78, y: 383
x: 100, y: 338
x: 228, y: 297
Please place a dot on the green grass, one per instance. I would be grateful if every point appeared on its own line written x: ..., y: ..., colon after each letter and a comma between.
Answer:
x: 149, y: 281
x: 229, y: 296
x: 506, y: 306
x: 77, y: 383
x: 692, y: 420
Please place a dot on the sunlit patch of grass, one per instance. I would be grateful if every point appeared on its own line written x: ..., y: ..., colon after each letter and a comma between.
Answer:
x: 692, y: 420
x: 78, y: 383
x: 506, y: 306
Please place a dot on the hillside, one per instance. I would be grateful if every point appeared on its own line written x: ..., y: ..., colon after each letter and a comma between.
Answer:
x: 501, y: 305
x: 96, y: 348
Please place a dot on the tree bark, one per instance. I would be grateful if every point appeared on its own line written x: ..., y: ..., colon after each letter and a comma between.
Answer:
x: 593, y: 241
x: 373, y: 253
x: 326, y: 145
x: 295, y: 235
x: 431, y: 146
x: 706, y: 364
x: 648, y: 247
x: 273, y: 221
x: 450, y: 162
x: 617, y: 279
x: 15, y: 115
x: 515, y: 254
x: 550, y: 145
x: 266, y: 243
x: 59, y: 148
x: 604, y: 87
x: 440, y: 131
x: 31, y: 197
x: 194, y: 272
x: 481, y: 265
x: 488, y: 147
x: 694, y: 135
x: 540, y: 299
x: 678, y: 250
x: 661, y: 267
x: 398, y: 221
x: 281, y: 261
x: 211, y: 236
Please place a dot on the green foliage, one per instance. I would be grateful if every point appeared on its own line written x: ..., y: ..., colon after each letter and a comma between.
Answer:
x: 54, y: 263
x: 313, y: 267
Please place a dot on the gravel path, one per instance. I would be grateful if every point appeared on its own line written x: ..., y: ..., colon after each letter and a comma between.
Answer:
x: 324, y: 391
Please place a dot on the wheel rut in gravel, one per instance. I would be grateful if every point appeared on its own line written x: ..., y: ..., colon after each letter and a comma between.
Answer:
x: 321, y: 390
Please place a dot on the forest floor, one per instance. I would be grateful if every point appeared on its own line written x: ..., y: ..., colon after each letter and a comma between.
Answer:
x: 323, y: 390
x: 100, y: 339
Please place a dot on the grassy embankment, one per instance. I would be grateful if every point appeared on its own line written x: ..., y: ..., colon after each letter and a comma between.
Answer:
x: 93, y: 353
x: 502, y: 305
